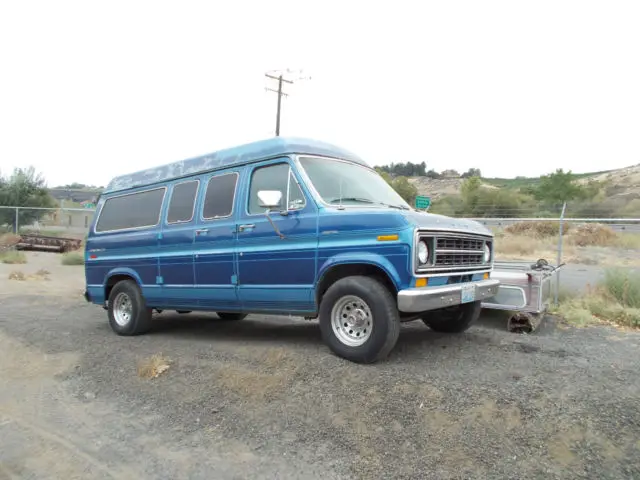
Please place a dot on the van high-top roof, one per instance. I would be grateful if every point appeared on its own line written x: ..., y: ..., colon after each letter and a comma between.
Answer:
x: 243, y: 154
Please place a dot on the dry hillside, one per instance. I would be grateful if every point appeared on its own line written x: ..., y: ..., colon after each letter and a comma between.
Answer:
x: 436, y: 188
x: 624, y: 182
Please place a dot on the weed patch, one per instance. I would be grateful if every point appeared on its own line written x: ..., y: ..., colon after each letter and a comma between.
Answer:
x: 13, y: 257
x: 153, y: 366
x: 73, y: 258
x: 616, y: 300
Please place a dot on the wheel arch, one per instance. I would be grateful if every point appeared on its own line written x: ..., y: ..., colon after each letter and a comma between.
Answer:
x: 338, y: 271
x: 119, y: 275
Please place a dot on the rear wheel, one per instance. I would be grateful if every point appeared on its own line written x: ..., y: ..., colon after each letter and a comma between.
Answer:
x: 128, y: 313
x: 453, y: 319
x: 359, y: 319
x: 228, y: 316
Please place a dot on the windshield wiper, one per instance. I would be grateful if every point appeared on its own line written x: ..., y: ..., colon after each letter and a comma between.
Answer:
x: 366, y: 200
x: 352, y: 199
x: 399, y: 207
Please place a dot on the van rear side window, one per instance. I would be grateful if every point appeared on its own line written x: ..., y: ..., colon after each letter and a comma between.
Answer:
x: 221, y: 191
x: 183, y: 199
x: 134, y: 210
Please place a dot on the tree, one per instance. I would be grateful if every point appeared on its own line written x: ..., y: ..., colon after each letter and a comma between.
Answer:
x: 405, y: 189
x: 401, y: 185
x: 24, y: 188
x: 407, y: 169
x: 472, y: 172
x: 558, y: 187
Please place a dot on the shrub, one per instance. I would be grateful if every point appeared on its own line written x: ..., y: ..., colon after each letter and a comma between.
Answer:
x: 9, y: 239
x: 593, y: 234
x: 13, y: 257
x: 624, y: 286
x: 73, y: 258
x: 542, y: 228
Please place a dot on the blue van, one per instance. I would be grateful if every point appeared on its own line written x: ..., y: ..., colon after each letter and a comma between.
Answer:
x: 284, y: 226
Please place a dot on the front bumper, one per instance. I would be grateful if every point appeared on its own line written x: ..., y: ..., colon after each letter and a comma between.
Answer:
x: 415, y: 300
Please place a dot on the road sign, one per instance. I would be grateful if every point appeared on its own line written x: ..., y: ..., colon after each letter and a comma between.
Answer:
x: 422, y: 202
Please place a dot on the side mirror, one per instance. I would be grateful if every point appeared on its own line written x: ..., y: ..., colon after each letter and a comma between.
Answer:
x: 269, y: 199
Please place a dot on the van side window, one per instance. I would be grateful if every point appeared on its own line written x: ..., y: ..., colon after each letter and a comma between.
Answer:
x: 218, y: 201
x: 183, y: 199
x: 275, y: 177
x: 134, y: 210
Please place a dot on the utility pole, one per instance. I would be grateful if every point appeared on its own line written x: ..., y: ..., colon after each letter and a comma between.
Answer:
x: 279, y: 76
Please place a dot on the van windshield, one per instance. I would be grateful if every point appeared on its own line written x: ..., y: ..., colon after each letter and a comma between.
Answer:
x: 345, y: 183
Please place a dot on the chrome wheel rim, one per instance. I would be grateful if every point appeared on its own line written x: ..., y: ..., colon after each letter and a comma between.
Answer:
x: 351, y: 320
x: 122, y: 309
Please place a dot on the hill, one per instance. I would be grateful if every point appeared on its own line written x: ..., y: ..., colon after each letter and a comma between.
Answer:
x: 608, y: 193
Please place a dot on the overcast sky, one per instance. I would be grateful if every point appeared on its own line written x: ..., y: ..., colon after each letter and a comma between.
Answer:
x: 90, y: 90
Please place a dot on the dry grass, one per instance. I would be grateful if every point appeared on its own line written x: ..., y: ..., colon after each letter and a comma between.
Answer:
x: 616, y: 300
x: 9, y: 239
x: 17, y: 275
x: 590, y: 244
x: 593, y: 234
x: 278, y: 369
x: 541, y: 229
x: 13, y: 257
x: 73, y: 258
x: 251, y: 384
x: 153, y: 366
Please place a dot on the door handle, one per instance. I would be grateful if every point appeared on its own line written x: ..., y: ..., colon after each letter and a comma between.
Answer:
x: 242, y: 228
x: 201, y: 230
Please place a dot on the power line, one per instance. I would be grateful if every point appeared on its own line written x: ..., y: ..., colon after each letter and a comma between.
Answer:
x: 282, y: 79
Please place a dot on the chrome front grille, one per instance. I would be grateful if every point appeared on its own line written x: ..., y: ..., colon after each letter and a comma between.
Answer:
x: 453, y: 243
x: 454, y: 252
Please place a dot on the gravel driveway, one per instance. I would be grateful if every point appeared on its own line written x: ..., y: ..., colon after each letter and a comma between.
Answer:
x: 264, y: 398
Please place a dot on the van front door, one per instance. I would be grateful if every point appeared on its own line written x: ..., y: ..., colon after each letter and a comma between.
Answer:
x: 277, y: 274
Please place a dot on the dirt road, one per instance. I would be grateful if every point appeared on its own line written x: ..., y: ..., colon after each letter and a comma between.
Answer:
x: 263, y: 398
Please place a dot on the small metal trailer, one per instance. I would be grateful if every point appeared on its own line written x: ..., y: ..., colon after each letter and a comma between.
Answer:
x: 526, y: 290
x: 47, y: 244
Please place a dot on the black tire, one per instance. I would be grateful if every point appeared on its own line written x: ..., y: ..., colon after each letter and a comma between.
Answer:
x: 384, y: 323
x: 140, y: 316
x: 183, y: 311
x: 453, y: 319
x: 231, y: 317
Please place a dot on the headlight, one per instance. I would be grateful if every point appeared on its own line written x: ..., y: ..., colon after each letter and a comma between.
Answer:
x: 487, y: 253
x: 423, y: 252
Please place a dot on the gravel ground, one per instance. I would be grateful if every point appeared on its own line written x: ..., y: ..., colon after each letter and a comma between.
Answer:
x: 264, y: 398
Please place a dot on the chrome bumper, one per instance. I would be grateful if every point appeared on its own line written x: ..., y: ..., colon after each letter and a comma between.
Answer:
x: 414, y: 300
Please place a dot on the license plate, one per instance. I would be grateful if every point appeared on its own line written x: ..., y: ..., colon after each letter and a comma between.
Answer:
x: 468, y: 293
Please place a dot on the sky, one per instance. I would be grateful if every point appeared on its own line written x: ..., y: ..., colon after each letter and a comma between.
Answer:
x: 91, y: 90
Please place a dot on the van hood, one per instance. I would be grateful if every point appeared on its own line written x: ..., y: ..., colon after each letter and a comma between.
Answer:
x: 432, y: 220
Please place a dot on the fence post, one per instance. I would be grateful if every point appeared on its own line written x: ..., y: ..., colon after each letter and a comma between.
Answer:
x: 17, y: 232
x: 559, y: 259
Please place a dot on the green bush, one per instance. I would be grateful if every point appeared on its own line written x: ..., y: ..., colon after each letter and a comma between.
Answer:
x: 624, y: 286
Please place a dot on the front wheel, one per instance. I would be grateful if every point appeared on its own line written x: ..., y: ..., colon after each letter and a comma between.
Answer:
x: 455, y: 319
x: 359, y: 319
x: 128, y: 313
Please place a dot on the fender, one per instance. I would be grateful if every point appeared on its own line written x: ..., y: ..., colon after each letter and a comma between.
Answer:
x: 122, y: 271
x: 362, y: 258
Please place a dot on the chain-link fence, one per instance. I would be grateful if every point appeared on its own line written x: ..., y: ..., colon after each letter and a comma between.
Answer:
x: 76, y: 221
x: 69, y: 222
